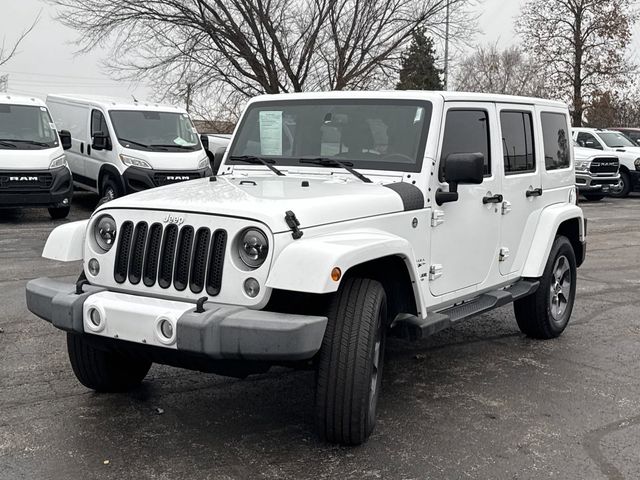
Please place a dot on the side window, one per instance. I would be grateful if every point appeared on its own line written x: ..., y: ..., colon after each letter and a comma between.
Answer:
x: 98, y: 123
x: 466, y: 131
x: 555, y: 131
x: 587, y: 140
x: 517, y: 142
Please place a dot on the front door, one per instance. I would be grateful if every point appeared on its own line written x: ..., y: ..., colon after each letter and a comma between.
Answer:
x: 96, y: 158
x: 522, y: 158
x: 466, y: 233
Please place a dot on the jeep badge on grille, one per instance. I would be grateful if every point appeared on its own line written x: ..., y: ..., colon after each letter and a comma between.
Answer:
x: 175, y: 219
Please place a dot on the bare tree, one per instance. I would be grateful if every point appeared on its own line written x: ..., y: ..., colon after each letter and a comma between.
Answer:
x: 256, y: 46
x: 614, y: 109
x: 581, y: 44
x: 508, y: 71
x: 7, y: 52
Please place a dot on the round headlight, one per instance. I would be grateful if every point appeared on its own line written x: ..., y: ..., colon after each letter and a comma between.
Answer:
x: 253, y: 247
x: 105, y: 232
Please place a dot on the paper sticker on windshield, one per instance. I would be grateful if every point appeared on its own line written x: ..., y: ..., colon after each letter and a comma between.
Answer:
x: 182, y: 142
x: 271, y: 133
x: 418, y: 117
x: 52, y: 125
x: 43, y: 109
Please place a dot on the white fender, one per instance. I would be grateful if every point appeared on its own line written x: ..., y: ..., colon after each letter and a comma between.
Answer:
x: 548, y: 224
x: 291, y: 269
x: 66, y: 242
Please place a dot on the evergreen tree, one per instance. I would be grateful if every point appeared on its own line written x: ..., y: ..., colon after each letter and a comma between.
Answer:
x: 418, y: 71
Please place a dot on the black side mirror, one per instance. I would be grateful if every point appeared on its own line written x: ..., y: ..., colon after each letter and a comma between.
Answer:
x: 65, y: 139
x: 460, y: 169
x: 205, y: 141
x: 217, y: 159
x: 101, y: 141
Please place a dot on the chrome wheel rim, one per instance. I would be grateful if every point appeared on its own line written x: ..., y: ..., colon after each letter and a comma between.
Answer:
x: 109, y: 193
x: 560, y: 288
x: 618, y: 187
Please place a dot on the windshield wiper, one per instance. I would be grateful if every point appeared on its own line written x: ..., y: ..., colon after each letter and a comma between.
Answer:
x: 135, y: 143
x: 30, y: 142
x: 267, y: 162
x: 7, y: 144
x: 331, y: 162
x: 182, y: 147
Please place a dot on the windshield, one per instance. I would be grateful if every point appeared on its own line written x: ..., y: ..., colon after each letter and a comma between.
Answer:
x: 158, y: 131
x: 370, y: 134
x: 616, y: 140
x: 26, y: 127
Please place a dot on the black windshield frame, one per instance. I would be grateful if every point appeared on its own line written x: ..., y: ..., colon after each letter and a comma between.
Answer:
x: 360, y: 164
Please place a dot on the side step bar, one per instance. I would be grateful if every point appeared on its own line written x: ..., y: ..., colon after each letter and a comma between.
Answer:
x: 414, y: 328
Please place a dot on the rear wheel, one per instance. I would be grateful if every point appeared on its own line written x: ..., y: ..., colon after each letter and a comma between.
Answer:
x: 351, y: 361
x: 545, y: 314
x: 623, y: 188
x: 103, y: 370
x: 594, y: 197
x: 58, y: 213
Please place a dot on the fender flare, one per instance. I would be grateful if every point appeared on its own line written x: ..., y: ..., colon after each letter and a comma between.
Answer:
x: 66, y: 242
x: 548, y: 224
x: 108, y: 168
x: 291, y: 268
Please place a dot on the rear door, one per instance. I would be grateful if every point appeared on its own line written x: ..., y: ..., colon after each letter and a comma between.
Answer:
x: 522, y: 190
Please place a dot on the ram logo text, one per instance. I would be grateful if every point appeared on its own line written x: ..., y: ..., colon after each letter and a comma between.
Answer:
x: 23, y: 179
x: 173, y: 219
x: 176, y: 178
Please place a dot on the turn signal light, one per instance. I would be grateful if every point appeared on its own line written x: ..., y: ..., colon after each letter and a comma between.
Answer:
x: 336, y: 274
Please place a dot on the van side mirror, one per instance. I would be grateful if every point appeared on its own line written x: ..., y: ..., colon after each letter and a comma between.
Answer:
x: 205, y: 141
x: 460, y: 169
x: 101, y: 141
x: 65, y: 139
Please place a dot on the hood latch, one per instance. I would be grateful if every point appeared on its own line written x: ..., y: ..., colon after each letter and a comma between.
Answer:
x: 293, y: 224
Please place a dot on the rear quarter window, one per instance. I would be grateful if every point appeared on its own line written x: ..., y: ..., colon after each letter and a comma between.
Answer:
x: 555, y: 132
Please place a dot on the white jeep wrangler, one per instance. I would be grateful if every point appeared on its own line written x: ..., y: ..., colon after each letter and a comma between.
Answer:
x: 336, y: 218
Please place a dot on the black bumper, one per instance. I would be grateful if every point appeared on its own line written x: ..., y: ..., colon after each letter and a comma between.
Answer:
x: 634, y: 176
x: 36, y: 188
x: 138, y: 179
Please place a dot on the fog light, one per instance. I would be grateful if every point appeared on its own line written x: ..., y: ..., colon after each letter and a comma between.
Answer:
x: 251, y: 287
x: 65, y: 201
x: 166, y: 328
x: 95, y: 318
x: 94, y: 267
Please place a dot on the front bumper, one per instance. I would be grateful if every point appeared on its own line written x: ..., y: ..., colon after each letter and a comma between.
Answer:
x: 137, y: 179
x: 221, y: 332
x: 41, y: 188
x: 590, y: 183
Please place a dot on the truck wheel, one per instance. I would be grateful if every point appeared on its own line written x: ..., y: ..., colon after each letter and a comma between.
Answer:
x: 350, y: 364
x: 594, y: 197
x: 59, y: 213
x: 110, y: 188
x: 623, y: 188
x: 103, y: 370
x: 545, y: 314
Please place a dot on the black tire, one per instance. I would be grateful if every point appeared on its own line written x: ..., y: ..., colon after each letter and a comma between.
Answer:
x: 111, y: 188
x: 58, y: 213
x: 594, y: 197
x: 542, y: 314
x: 350, y: 363
x: 102, y: 370
x: 623, y: 188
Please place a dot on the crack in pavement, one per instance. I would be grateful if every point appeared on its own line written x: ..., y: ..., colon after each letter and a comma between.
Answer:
x: 595, y: 437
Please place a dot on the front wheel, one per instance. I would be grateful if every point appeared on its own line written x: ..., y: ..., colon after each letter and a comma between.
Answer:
x: 111, y: 189
x: 350, y: 364
x: 104, y: 370
x: 59, y: 213
x: 545, y: 314
x: 623, y: 188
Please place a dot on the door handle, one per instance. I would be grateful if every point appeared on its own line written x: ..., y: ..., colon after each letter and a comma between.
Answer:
x: 497, y: 198
x: 88, y: 149
x: 81, y: 147
x: 534, y: 192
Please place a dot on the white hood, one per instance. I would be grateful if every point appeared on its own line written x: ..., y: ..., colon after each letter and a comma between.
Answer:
x: 180, y: 161
x: 267, y: 199
x: 14, y: 159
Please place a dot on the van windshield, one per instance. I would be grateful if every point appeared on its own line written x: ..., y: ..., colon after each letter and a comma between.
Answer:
x: 26, y: 127
x: 155, y: 131
x: 616, y: 140
x: 371, y: 134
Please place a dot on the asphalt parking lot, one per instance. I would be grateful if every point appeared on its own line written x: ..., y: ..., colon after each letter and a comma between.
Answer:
x: 477, y: 401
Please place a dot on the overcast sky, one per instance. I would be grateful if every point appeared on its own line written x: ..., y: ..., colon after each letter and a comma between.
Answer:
x: 47, y: 62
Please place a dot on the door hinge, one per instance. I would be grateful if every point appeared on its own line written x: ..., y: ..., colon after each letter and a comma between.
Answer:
x: 506, y: 207
x: 435, y: 271
x: 437, y: 218
x: 504, y: 254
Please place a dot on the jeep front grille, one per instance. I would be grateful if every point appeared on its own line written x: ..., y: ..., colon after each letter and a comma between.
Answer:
x: 171, y: 255
x: 606, y: 165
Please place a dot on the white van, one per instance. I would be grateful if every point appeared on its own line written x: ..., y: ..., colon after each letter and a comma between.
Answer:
x: 33, y: 166
x: 120, y: 147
